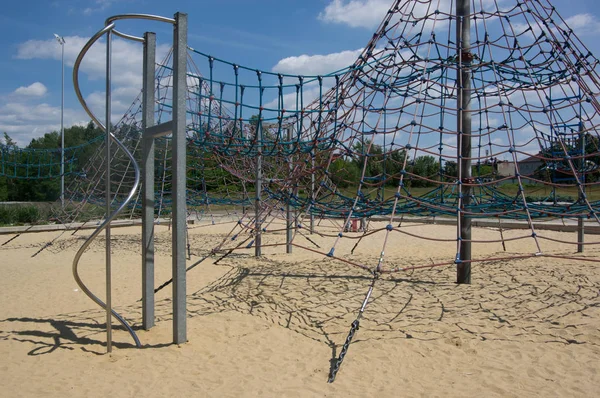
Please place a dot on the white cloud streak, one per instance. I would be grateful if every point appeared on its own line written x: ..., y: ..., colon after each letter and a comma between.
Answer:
x: 356, y: 13
x: 126, y: 57
x: 317, y: 64
x: 36, y: 89
x: 24, y: 122
x: 21, y: 117
x: 584, y: 24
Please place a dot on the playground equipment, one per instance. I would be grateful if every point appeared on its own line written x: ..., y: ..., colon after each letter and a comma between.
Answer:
x: 417, y: 126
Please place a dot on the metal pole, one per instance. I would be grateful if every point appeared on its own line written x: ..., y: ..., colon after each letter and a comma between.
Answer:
x: 312, y: 192
x: 258, y: 189
x: 108, y: 195
x: 580, y: 235
x: 463, y: 40
x: 61, y: 41
x: 179, y: 177
x: 148, y: 183
x: 580, y: 220
x: 289, y: 216
x: 62, y: 128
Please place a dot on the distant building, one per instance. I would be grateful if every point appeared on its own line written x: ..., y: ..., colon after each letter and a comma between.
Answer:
x: 527, y: 166
x: 505, y: 168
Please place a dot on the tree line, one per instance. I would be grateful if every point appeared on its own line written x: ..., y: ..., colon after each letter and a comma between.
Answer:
x: 23, y: 189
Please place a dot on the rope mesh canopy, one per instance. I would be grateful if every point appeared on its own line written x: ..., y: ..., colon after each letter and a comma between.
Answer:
x: 381, y: 138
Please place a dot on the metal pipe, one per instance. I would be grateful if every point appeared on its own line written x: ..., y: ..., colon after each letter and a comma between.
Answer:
x: 580, y: 220
x: 288, y: 209
x: 110, y: 217
x: 258, y: 189
x: 312, y: 192
x: 148, y: 183
x: 463, y: 40
x: 76, y: 66
x: 108, y: 195
x: 149, y: 17
x: 62, y: 127
x: 128, y: 37
x: 178, y: 241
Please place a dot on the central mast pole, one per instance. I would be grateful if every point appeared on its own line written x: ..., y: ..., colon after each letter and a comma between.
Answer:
x: 464, y: 56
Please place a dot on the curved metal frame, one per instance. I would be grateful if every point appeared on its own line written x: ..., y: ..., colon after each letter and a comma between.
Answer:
x: 148, y: 17
x: 108, y: 29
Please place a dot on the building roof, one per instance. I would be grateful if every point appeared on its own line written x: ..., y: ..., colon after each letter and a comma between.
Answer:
x: 531, y: 159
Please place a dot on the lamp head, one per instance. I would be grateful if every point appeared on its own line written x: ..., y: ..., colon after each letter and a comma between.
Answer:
x: 60, y: 39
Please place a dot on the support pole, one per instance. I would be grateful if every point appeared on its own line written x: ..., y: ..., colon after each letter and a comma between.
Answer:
x: 148, y: 182
x: 463, y: 40
x: 580, y: 235
x: 62, y: 128
x: 580, y: 220
x: 258, y: 189
x: 179, y: 177
x: 108, y: 196
x: 312, y: 192
x: 289, y: 214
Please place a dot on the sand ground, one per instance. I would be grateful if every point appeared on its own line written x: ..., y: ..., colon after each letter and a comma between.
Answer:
x: 270, y: 327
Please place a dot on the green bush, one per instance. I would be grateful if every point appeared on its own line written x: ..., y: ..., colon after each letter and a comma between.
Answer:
x: 8, y: 215
x: 24, y: 214
x: 28, y: 215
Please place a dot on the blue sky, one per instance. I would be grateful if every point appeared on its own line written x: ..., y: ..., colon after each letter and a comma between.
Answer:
x: 295, y: 36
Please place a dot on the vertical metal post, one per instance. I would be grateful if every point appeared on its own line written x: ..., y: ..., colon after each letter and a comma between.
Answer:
x: 148, y: 182
x: 289, y: 215
x: 258, y: 189
x: 62, y: 128
x: 312, y: 192
x: 179, y: 177
x: 463, y: 41
x: 580, y: 220
x: 61, y: 41
x: 108, y: 196
x: 580, y: 235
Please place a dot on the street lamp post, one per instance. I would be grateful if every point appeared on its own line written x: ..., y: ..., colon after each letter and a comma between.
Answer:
x: 61, y: 41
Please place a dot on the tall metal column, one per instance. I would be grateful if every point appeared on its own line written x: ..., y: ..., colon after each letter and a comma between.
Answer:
x: 580, y: 235
x: 62, y: 127
x: 179, y: 177
x: 580, y: 220
x: 258, y: 189
x: 289, y: 215
x: 108, y: 195
x: 148, y: 182
x: 312, y: 192
x: 463, y: 44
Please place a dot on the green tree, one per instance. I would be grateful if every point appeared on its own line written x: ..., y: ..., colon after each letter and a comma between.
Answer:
x: 426, y: 167
x: 344, y: 173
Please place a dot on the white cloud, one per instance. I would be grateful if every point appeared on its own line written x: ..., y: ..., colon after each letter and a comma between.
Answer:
x: 101, y: 5
x: 121, y: 100
x: 584, y: 24
x: 317, y: 64
x: 25, y: 121
x: 126, y: 57
x: 36, y: 89
x: 312, y: 65
x: 356, y: 13
x: 370, y: 13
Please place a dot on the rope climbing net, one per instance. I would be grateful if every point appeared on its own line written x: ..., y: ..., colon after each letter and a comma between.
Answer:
x: 454, y: 109
x: 384, y: 138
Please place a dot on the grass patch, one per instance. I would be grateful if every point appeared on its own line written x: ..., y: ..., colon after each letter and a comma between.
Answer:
x: 24, y: 214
